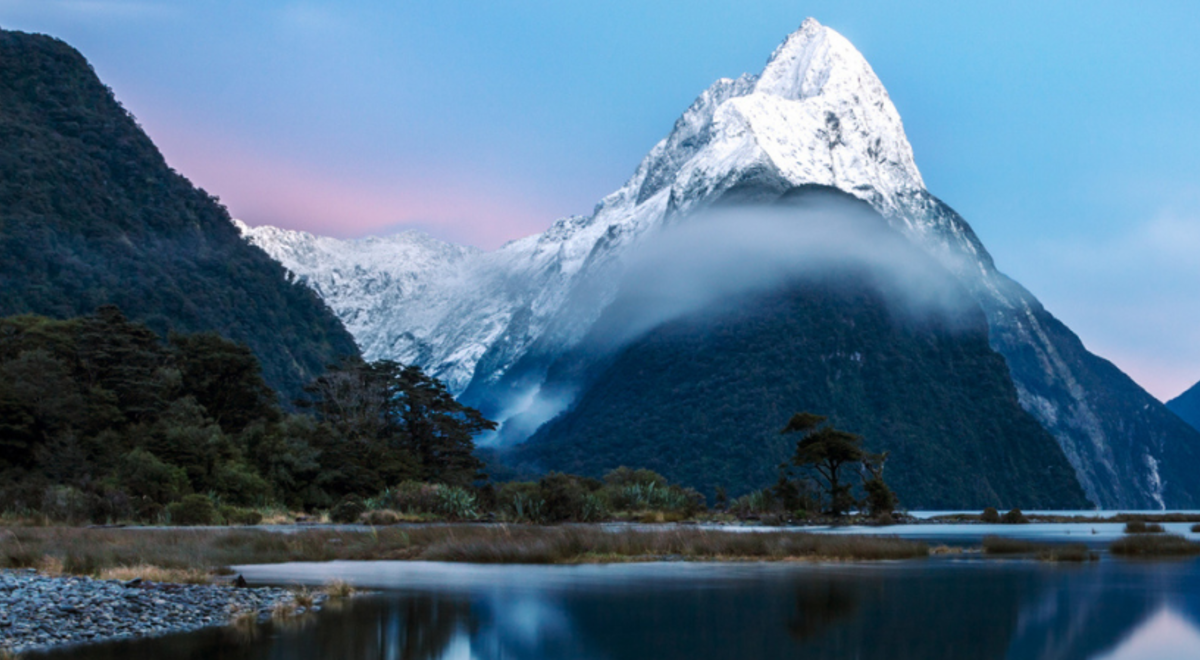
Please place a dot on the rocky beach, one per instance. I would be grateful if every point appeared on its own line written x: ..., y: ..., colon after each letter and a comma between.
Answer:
x: 39, y: 611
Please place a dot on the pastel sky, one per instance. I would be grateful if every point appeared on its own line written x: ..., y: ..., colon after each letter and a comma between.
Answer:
x: 1067, y: 133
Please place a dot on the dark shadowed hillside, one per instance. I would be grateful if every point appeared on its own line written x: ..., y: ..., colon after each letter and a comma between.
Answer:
x: 1187, y: 406
x: 91, y: 214
x: 702, y: 398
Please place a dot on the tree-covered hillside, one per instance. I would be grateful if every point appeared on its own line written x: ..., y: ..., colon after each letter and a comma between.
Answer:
x: 91, y: 214
x: 702, y: 399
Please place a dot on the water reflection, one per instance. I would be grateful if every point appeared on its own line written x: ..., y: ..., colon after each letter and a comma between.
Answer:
x: 936, y: 609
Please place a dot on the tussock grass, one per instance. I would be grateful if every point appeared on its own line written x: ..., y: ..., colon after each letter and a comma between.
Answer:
x: 94, y: 551
x: 1154, y: 545
x: 338, y: 589
x: 155, y: 574
x: 1143, y: 527
x: 583, y: 544
x: 1002, y: 545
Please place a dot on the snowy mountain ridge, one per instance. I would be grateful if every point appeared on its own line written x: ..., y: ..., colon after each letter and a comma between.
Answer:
x: 816, y: 114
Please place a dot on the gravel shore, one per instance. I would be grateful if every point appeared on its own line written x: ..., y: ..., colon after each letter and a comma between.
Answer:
x: 38, y: 611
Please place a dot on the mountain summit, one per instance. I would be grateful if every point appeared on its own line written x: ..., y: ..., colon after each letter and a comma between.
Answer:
x: 495, y: 324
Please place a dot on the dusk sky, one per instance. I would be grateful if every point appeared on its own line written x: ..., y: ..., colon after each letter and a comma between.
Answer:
x: 1068, y: 136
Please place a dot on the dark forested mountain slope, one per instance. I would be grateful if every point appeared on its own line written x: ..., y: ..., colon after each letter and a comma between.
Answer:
x: 90, y: 214
x: 702, y: 399
x: 1187, y: 406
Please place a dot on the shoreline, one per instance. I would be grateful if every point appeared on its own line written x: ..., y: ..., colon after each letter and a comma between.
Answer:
x: 39, y: 612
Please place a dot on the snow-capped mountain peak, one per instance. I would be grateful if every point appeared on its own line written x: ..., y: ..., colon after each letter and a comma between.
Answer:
x: 816, y: 114
x: 490, y: 324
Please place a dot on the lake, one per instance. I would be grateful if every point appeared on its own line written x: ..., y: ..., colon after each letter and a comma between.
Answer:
x: 943, y: 607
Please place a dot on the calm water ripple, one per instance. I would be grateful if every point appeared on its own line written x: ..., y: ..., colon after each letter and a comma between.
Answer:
x: 940, y: 608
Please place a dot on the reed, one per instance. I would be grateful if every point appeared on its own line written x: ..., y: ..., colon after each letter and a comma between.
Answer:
x: 1154, y: 545
x: 112, y: 551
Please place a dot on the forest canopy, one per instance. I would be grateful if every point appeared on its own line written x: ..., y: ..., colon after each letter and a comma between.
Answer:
x: 103, y: 419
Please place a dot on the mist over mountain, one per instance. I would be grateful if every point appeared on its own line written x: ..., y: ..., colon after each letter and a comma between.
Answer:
x: 91, y: 214
x: 515, y: 331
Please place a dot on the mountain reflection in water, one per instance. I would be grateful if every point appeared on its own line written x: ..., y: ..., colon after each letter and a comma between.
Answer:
x: 937, y: 609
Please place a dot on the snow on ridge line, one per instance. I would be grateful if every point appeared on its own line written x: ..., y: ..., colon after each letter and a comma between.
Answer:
x: 816, y: 114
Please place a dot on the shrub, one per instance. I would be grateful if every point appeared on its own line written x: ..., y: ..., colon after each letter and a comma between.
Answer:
x: 348, y: 510
x: 880, y: 498
x: 193, y: 509
x: 145, y: 477
x: 1143, y: 527
x: 380, y: 517
x: 756, y: 503
x: 990, y: 515
x: 563, y: 496
x: 1014, y: 517
x: 456, y: 503
x: 1154, y: 545
x: 521, y: 502
x: 409, y: 497
x: 239, y: 484
x: 1196, y: 528
x: 235, y: 516
x: 65, y: 504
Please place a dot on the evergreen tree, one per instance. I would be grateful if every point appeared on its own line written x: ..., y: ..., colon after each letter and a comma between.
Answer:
x: 826, y: 451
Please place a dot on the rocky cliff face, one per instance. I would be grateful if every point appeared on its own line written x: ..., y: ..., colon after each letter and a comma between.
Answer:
x: 491, y: 324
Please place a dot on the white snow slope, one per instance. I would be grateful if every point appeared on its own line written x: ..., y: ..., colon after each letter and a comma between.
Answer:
x: 816, y: 114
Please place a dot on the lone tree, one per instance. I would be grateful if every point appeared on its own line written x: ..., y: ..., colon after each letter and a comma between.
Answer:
x: 829, y: 452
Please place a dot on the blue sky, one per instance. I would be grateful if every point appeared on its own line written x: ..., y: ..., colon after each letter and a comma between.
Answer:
x: 1067, y: 135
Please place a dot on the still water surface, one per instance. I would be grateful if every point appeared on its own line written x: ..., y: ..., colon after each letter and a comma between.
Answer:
x: 936, y: 608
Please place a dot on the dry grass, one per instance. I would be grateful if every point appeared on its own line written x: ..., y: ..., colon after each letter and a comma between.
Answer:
x: 50, y: 565
x: 94, y: 551
x: 303, y: 598
x: 283, y: 610
x: 1002, y: 545
x: 156, y: 574
x: 338, y: 589
x: 381, y: 517
x: 1154, y: 545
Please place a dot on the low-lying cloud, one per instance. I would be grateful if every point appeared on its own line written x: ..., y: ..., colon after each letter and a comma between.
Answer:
x: 713, y: 261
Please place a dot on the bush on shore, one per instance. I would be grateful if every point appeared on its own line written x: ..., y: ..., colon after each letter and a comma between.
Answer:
x: 1143, y: 527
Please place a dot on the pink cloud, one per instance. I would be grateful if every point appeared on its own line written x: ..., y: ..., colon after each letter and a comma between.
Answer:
x: 260, y: 188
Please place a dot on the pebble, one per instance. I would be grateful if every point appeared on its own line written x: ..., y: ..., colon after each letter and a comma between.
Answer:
x: 38, y: 612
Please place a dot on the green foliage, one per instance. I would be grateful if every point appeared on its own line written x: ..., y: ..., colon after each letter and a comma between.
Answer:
x: 91, y: 214
x: 394, y: 423
x: 1014, y: 517
x: 348, y: 509
x: 521, y: 502
x: 880, y: 499
x: 990, y: 515
x: 755, y: 503
x: 194, y: 509
x: 145, y: 477
x: 456, y: 503
x: 232, y: 515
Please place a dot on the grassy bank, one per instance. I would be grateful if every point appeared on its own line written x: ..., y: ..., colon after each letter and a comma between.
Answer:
x: 1002, y: 545
x: 107, y: 551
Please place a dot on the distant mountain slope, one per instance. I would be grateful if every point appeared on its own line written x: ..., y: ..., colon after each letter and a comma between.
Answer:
x: 91, y: 214
x: 492, y: 324
x: 1187, y: 406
